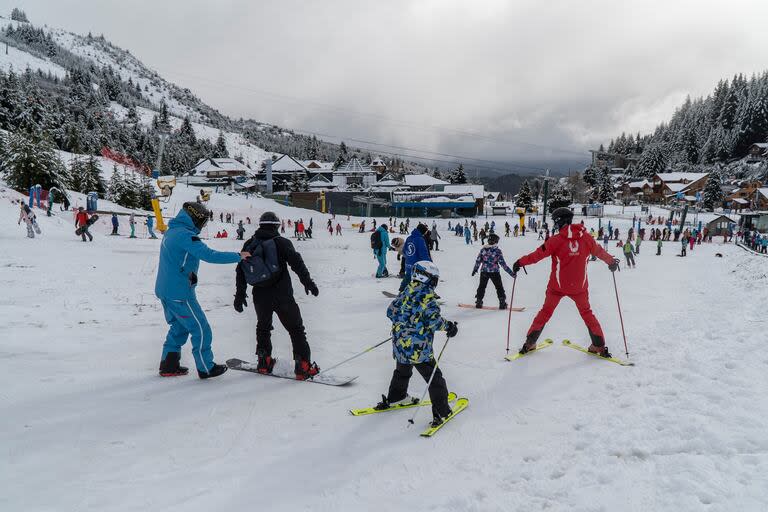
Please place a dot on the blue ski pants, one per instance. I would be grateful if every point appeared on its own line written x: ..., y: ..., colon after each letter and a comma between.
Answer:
x: 381, y: 256
x: 187, y: 319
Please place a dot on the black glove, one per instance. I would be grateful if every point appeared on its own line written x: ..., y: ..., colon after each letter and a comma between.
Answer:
x: 474, y: 272
x: 311, y: 288
x: 192, y: 278
x: 239, y: 303
x: 451, y: 329
x: 614, y: 265
x: 516, y: 267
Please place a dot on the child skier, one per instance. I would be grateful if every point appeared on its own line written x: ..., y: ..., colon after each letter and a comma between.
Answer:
x: 629, y: 253
x: 150, y: 225
x: 569, y: 249
x: 415, y: 317
x: 27, y: 215
x: 180, y: 254
x: 132, y: 224
x: 491, y: 259
x: 115, y: 224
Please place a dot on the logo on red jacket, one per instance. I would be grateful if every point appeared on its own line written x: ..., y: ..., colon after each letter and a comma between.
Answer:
x: 574, y: 247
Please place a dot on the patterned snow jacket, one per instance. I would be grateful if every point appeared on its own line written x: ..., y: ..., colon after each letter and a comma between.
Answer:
x: 415, y: 317
x: 491, y: 259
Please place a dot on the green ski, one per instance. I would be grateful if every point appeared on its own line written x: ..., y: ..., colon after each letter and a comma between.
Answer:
x: 616, y: 360
x: 416, y: 403
x: 461, y: 404
x: 541, y: 346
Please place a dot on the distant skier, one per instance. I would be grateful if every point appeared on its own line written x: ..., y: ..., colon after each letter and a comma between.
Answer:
x: 150, y: 224
x: 28, y: 217
x: 132, y: 224
x: 415, y: 249
x: 81, y: 221
x: 569, y: 249
x: 180, y: 254
x: 658, y: 246
x: 240, y: 230
x: 380, y: 245
x: 275, y: 295
x: 638, y: 242
x: 416, y: 316
x: 115, y: 224
x: 491, y: 258
x: 629, y: 254
x: 467, y: 235
x: 506, y: 229
x: 338, y: 229
x: 434, y: 237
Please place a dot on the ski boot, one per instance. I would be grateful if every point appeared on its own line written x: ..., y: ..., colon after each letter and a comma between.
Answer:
x: 598, y: 346
x: 305, y: 370
x: 530, y: 342
x: 386, y: 404
x: 170, y: 367
x: 215, y: 371
x: 479, y: 304
x: 438, y: 420
x: 502, y: 305
x: 265, y: 364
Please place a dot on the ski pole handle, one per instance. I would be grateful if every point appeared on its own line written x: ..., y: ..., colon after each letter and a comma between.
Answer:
x: 354, y: 356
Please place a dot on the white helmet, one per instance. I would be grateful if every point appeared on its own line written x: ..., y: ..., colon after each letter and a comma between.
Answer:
x: 425, y: 272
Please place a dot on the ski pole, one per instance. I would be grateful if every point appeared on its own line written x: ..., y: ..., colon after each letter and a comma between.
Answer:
x: 621, y: 319
x: 511, y: 299
x: 429, y: 382
x: 353, y: 357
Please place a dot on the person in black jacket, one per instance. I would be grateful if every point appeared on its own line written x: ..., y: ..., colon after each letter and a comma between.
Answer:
x: 277, y: 297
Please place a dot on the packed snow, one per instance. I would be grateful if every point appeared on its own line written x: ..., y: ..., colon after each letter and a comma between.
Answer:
x: 87, y: 424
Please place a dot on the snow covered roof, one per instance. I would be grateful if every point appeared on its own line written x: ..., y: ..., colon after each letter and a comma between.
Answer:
x: 354, y: 166
x: 676, y: 187
x: 217, y: 164
x: 287, y: 164
x: 740, y: 201
x: 478, y: 191
x: 378, y: 162
x: 639, y: 184
x: 387, y: 183
x: 763, y: 192
x: 674, y: 177
x: 422, y: 180
x: 319, y: 178
x: 761, y: 145
x: 317, y: 165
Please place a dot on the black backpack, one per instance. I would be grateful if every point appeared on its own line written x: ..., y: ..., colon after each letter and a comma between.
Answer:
x: 263, y: 267
x: 376, y: 242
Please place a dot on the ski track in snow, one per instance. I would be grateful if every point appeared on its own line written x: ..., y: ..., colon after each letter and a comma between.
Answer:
x: 88, y: 426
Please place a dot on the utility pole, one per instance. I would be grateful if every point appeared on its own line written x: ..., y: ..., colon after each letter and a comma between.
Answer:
x: 546, y: 195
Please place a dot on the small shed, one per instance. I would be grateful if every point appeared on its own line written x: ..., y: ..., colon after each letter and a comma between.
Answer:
x: 720, y: 225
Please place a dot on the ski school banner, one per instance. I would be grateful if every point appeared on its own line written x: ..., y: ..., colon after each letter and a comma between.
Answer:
x: 124, y: 159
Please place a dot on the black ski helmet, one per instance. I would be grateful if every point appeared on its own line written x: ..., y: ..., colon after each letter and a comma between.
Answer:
x: 561, y: 217
x: 493, y: 239
x: 423, y: 229
x: 198, y: 213
x: 269, y: 219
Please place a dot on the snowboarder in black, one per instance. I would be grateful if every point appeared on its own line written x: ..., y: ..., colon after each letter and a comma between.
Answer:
x: 276, y: 296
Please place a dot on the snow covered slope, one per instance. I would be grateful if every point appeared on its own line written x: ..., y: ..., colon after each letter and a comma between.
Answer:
x: 87, y: 425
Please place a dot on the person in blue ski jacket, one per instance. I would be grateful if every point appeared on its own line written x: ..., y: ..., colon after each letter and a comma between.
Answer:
x: 381, y: 251
x: 180, y: 254
x: 115, y: 224
x: 415, y: 249
x: 467, y: 235
x: 150, y: 225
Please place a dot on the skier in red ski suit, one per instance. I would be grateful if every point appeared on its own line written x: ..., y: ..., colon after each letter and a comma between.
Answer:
x: 570, y: 250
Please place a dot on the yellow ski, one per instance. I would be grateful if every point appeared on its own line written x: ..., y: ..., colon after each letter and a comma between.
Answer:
x: 461, y: 404
x: 616, y: 360
x: 540, y: 346
x: 416, y: 403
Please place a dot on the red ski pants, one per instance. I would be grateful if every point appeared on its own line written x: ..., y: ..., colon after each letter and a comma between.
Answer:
x: 551, y: 301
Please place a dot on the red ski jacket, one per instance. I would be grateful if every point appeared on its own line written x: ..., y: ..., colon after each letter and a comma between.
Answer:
x: 570, y: 250
x: 81, y: 219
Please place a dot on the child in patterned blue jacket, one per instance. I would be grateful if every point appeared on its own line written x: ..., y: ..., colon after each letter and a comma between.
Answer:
x: 415, y: 317
x: 491, y: 259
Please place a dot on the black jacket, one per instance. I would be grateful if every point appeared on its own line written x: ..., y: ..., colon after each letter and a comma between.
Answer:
x: 287, y: 255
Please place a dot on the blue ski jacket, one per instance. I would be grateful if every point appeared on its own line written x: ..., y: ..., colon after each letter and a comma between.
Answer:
x: 180, y: 254
x: 385, y: 242
x: 415, y: 250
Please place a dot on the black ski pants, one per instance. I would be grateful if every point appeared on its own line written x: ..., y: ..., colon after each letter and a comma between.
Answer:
x: 495, y: 278
x: 290, y: 316
x: 438, y: 390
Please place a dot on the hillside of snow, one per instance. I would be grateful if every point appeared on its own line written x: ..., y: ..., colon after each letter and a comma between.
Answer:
x: 87, y: 425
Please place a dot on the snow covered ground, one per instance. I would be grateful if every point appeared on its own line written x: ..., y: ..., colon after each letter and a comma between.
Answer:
x: 87, y: 425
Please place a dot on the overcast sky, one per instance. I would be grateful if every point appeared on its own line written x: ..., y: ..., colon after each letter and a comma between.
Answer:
x: 519, y: 81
